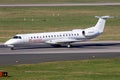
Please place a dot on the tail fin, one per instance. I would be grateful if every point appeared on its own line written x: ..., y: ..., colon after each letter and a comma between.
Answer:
x: 101, y: 23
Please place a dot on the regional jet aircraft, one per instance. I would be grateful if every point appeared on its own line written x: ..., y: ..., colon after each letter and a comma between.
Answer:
x: 56, y: 39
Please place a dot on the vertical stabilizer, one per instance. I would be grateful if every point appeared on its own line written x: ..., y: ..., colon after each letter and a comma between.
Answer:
x: 101, y: 23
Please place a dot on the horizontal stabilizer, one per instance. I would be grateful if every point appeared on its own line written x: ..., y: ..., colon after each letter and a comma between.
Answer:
x: 104, y: 17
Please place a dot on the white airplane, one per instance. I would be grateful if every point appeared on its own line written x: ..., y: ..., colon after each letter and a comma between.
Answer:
x: 56, y: 39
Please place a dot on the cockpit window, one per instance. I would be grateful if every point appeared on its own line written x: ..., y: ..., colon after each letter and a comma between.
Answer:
x: 17, y: 37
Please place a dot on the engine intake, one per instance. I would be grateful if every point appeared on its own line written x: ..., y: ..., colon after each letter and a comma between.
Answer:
x: 89, y: 33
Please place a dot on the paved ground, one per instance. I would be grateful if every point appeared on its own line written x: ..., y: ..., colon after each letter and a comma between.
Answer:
x: 45, y: 53
x: 64, y: 4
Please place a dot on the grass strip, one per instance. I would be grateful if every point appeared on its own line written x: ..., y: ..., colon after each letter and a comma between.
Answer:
x: 96, y: 69
x: 46, y: 19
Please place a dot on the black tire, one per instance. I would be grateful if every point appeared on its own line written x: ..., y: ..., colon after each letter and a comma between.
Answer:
x: 12, y: 48
x: 69, y: 46
x: 56, y: 45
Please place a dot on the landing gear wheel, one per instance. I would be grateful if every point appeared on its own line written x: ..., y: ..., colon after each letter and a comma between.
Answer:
x: 12, y: 48
x: 69, y: 46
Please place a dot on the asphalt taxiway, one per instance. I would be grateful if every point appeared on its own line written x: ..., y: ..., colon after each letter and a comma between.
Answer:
x: 61, y: 4
x: 45, y: 53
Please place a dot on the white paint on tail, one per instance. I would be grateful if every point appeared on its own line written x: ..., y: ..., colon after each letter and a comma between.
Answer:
x: 101, y: 23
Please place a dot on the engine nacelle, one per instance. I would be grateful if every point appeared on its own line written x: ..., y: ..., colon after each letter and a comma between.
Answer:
x: 90, y: 33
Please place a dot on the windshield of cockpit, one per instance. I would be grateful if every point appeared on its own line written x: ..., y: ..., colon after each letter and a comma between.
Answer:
x: 17, y: 37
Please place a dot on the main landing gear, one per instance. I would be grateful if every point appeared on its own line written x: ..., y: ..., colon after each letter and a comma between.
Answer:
x: 12, y: 48
x: 58, y: 45
x: 69, y: 45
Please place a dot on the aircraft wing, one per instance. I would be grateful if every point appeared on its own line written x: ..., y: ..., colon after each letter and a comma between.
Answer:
x: 59, y: 41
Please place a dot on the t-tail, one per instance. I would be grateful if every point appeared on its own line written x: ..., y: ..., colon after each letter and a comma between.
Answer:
x: 96, y: 30
x: 101, y: 23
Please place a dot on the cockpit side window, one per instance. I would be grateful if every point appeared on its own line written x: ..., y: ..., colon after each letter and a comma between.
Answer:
x: 20, y: 37
x: 17, y: 37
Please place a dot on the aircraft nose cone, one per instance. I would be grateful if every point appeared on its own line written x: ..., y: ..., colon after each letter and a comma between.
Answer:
x: 9, y: 42
x: 6, y: 43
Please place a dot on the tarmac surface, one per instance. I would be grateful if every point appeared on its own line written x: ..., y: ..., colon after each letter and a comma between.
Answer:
x: 62, y: 4
x: 45, y: 53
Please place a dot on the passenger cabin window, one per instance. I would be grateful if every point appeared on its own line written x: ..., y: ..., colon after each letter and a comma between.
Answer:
x: 17, y: 37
